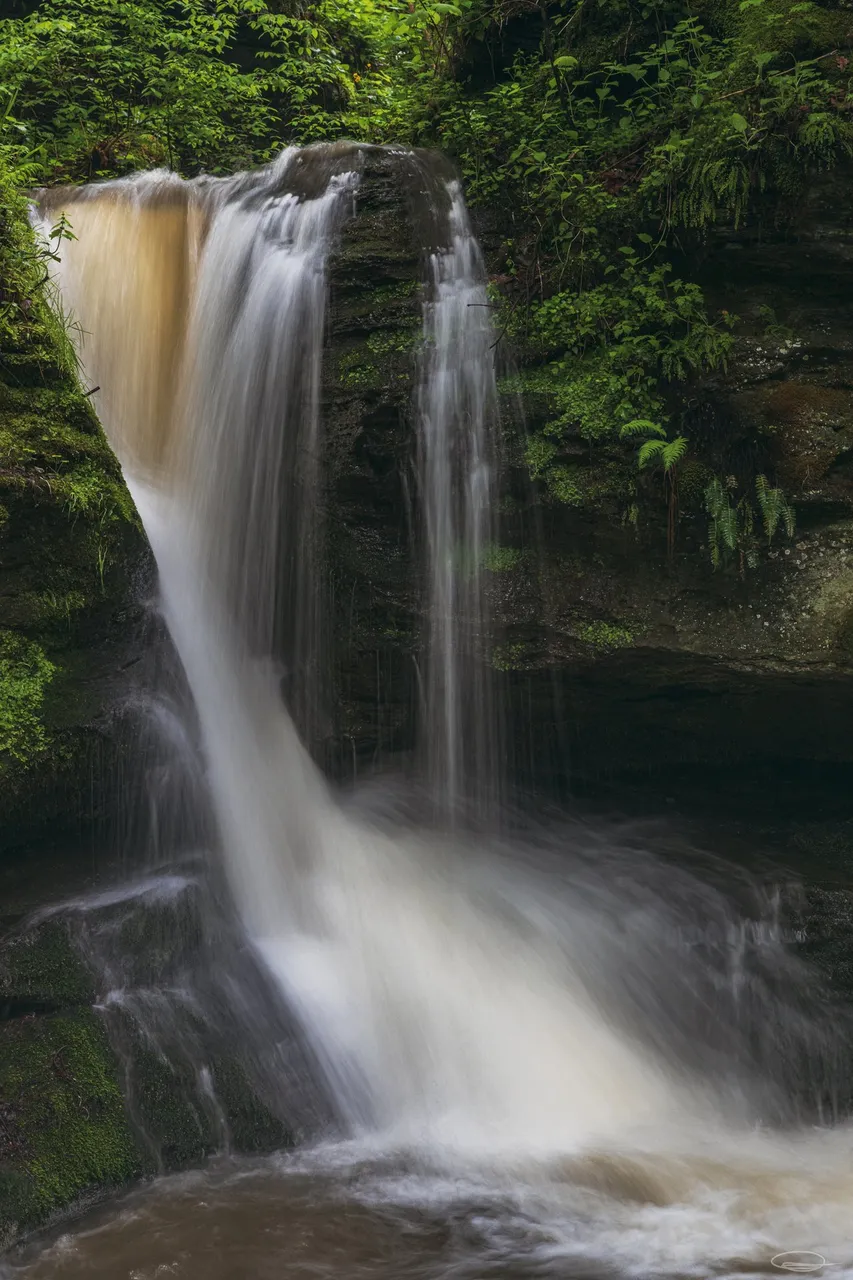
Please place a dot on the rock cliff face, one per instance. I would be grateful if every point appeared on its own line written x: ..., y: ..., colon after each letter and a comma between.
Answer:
x: 370, y: 374
x: 610, y: 654
x: 105, y: 1075
x: 665, y: 665
x: 71, y: 558
x: 71, y: 553
x: 605, y: 645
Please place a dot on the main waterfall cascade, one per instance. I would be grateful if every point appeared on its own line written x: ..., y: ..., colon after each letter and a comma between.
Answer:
x: 587, y: 1029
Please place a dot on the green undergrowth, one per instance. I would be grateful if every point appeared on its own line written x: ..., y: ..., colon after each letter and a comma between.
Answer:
x: 607, y: 140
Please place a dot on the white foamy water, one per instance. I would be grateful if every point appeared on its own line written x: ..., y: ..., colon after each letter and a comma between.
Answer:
x: 594, y: 1045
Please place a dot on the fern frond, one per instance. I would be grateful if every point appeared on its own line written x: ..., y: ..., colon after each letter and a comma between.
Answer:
x: 673, y: 452
x: 716, y: 498
x: 640, y: 427
x: 775, y: 508
x: 727, y: 523
x: 650, y: 451
x: 789, y: 518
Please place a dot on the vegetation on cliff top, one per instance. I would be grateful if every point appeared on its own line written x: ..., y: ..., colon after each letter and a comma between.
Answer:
x: 607, y: 139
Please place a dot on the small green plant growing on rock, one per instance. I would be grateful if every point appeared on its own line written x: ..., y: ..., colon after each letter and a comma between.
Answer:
x: 775, y: 509
x: 731, y: 532
x: 501, y: 559
x: 663, y: 455
x: 509, y: 657
x: 606, y: 636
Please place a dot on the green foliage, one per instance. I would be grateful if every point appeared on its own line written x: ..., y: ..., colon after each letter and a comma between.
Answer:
x: 665, y: 454
x: 775, y: 509
x: 613, y: 349
x: 731, y: 531
x: 107, y: 86
x: 617, y: 135
x: 510, y: 657
x: 607, y: 164
x: 67, y: 526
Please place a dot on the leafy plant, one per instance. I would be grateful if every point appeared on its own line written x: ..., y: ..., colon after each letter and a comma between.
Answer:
x: 775, y: 509
x: 665, y: 455
x: 731, y: 531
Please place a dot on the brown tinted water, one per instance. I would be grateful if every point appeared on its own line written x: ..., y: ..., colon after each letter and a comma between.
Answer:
x: 341, y: 1214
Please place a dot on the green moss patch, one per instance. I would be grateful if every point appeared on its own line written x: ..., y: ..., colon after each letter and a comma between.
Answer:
x: 63, y: 1130
x: 25, y: 672
x: 39, y: 965
x: 606, y: 635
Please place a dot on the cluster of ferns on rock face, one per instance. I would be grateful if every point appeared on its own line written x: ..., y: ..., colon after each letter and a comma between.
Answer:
x: 606, y: 138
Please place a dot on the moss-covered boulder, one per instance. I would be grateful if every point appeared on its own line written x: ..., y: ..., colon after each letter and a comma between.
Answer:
x: 64, y: 1132
x: 119, y: 1055
x: 71, y: 549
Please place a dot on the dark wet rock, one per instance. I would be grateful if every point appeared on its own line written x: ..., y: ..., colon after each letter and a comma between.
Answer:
x: 64, y: 1132
x: 72, y: 564
x: 119, y: 1054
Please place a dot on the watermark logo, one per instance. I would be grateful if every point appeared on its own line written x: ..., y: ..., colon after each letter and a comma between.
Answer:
x: 800, y: 1261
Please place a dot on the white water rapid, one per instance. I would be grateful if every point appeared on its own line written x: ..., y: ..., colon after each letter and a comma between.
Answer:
x: 578, y: 1024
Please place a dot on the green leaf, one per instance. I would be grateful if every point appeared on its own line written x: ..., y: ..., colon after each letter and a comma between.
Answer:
x: 651, y: 450
x: 640, y: 427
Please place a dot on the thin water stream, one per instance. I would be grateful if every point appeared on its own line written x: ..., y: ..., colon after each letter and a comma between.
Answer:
x: 556, y: 1054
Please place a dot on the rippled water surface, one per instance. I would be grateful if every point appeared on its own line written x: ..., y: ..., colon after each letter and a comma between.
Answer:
x: 341, y: 1213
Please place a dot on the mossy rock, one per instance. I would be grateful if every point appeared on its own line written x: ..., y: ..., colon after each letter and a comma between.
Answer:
x: 70, y: 549
x: 39, y: 968
x: 97, y: 1091
x: 63, y: 1129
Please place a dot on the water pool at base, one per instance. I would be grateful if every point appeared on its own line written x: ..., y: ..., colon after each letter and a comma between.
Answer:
x: 344, y: 1213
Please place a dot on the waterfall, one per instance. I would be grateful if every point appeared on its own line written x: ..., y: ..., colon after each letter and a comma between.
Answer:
x: 457, y: 992
x: 458, y: 410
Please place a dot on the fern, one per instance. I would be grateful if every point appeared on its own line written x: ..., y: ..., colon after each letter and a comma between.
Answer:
x: 640, y: 427
x: 666, y: 453
x: 774, y: 507
x: 732, y: 526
